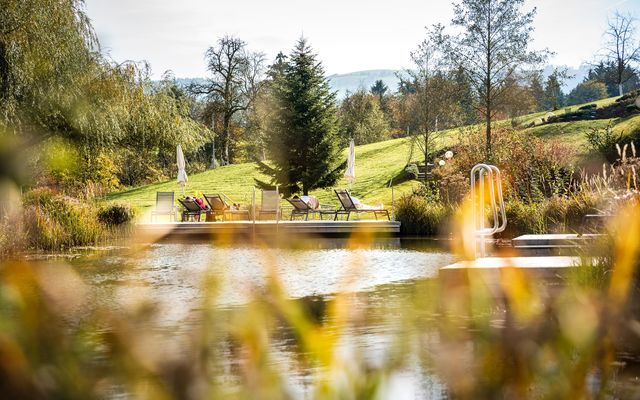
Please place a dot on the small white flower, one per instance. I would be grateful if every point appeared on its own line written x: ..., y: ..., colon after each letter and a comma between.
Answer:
x: 441, y: 163
x: 448, y: 154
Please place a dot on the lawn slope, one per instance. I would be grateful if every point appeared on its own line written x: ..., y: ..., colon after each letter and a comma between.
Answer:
x: 376, y: 164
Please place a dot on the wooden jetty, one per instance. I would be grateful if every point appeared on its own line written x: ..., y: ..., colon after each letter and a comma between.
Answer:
x: 553, y: 244
x: 270, y: 228
x: 496, y: 272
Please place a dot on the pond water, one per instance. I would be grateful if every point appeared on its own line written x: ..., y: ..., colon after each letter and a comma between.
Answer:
x: 383, y: 286
x: 380, y: 277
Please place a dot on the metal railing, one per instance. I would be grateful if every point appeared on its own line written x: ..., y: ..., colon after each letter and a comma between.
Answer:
x: 485, y: 176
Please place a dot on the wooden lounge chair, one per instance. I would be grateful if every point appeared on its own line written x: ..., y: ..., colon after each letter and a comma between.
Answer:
x: 302, y: 208
x: 349, y: 206
x: 270, y: 204
x: 164, y: 205
x: 219, y: 204
x: 192, y: 210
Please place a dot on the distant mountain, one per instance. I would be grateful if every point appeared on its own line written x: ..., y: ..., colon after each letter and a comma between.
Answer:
x: 351, y: 82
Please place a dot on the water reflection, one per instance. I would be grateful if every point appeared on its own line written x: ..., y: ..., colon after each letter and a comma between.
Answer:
x: 380, y: 279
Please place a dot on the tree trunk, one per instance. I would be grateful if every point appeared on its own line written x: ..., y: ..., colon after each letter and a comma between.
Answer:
x: 212, y: 165
x: 488, y: 149
x: 426, y: 148
x: 226, y: 136
x: 620, y: 89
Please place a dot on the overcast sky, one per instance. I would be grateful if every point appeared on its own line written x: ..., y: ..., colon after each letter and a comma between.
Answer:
x: 348, y: 35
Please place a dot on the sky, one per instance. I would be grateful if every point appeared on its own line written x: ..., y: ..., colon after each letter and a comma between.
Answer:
x: 348, y: 35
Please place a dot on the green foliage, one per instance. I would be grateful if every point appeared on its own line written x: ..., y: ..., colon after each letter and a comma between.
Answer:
x: 379, y: 89
x: 603, y: 141
x: 55, y: 222
x: 586, y: 92
x: 496, y: 35
x: 421, y: 216
x: 54, y: 82
x: 523, y: 218
x: 553, y: 97
x: 362, y: 119
x: 607, y: 73
x: 532, y: 168
x: 303, y: 135
x: 116, y: 214
x: 408, y: 174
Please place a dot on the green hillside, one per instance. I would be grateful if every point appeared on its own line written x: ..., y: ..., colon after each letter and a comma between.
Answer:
x: 375, y: 164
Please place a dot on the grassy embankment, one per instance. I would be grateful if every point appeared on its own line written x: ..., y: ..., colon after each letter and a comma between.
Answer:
x: 376, y: 163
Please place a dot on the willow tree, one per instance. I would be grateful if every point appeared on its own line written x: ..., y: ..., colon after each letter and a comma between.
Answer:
x: 45, y: 48
x: 493, y: 44
x: 302, y: 137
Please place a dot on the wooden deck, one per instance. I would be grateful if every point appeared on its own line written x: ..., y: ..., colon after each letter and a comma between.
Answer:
x: 497, y: 275
x: 553, y: 244
x: 270, y: 228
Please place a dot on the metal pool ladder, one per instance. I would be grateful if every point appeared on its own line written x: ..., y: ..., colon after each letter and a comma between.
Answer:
x: 484, y: 176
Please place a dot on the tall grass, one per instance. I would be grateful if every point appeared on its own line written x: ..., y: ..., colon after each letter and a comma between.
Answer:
x: 511, y: 336
x: 422, y: 217
x: 52, y: 221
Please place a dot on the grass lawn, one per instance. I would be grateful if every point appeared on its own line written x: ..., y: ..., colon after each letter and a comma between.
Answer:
x: 376, y: 164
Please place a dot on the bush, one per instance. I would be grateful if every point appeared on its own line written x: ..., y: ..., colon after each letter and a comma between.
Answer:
x: 411, y: 171
x: 116, y: 214
x: 421, y: 217
x: 555, y: 214
x: 580, y: 204
x: 55, y: 222
x: 523, y: 218
x: 532, y: 168
x: 604, y: 141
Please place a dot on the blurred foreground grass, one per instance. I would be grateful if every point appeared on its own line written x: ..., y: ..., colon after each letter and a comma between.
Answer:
x: 506, y: 336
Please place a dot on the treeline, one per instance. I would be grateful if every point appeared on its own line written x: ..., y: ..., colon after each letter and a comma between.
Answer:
x: 74, y: 119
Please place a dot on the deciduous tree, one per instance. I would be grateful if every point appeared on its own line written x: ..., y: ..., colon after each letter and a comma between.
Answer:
x: 492, y: 46
x: 622, y: 47
x: 233, y: 85
x: 362, y: 119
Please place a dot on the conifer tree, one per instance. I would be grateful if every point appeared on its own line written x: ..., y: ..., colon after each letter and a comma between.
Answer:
x: 302, y: 135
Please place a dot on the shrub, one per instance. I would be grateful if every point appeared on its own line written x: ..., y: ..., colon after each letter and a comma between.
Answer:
x: 580, y: 204
x: 116, y: 214
x: 421, y: 217
x: 411, y: 171
x: 523, y: 218
x: 55, y: 222
x: 555, y: 214
x: 532, y: 168
x: 604, y: 141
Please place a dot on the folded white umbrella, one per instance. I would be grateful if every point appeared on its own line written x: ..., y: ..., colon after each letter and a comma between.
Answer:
x: 350, y: 173
x: 182, y: 173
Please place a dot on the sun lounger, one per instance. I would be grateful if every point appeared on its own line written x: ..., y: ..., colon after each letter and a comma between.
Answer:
x: 303, y: 208
x: 164, y: 205
x: 270, y: 204
x: 219, y: 204
x: 192, y: 210
x: 350, y: 205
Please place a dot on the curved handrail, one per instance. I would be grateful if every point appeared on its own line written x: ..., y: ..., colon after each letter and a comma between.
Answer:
x: 479, y: 176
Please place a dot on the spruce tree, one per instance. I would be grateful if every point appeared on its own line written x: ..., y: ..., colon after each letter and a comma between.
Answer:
x: 302, y: 135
